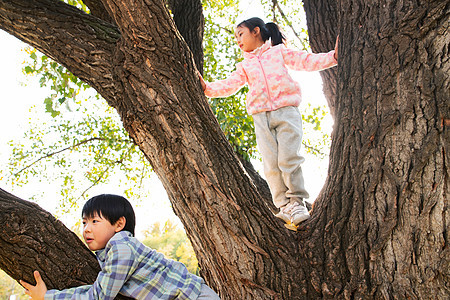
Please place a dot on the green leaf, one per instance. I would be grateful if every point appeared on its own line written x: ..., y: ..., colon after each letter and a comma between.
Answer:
x: 28, y: 70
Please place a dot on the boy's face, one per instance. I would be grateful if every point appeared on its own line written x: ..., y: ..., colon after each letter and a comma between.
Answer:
x: 97, y: 231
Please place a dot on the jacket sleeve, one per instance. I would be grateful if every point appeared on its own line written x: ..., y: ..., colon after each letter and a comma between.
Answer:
x: 81, y: 292
x: 304, y: 61
x: 119, y: 265
x: 228, y: 86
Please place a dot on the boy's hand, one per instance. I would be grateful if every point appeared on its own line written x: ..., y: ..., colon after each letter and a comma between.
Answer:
x: 38, y: 291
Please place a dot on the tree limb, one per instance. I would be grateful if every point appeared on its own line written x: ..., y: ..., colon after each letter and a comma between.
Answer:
x: 21, y: 233
x: 81, y: 42
x: 59, y: 151
x: 189, y: 20
x: 283, y: 15
x: 98, y: 10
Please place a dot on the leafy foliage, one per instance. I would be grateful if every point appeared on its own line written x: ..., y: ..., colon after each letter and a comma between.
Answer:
x: 77, y: 3
x: 315, y: 140
x: 172, y: 241
x: 63, y: 84
x: 219, y: 61
x: 82, y: 137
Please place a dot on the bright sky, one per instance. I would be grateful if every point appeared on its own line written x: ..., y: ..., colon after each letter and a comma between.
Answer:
x: 17, y: 98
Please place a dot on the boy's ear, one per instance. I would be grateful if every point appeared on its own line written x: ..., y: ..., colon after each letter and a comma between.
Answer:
x: 120, y: 224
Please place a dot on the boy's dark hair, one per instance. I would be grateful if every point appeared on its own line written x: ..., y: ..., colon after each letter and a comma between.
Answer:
x: 111, y: 208
x: 268, y: 30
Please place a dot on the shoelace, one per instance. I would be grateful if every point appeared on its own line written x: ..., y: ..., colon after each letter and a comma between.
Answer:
x: 291, y: 207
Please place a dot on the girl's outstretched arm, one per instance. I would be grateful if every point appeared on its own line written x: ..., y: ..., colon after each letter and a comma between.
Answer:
x: 226, y: 87
x: 36, y: 292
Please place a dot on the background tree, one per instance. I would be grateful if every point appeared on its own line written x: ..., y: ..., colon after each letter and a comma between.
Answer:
x: 170, y: 240
x: 9, y: 287
x: 379, y: 228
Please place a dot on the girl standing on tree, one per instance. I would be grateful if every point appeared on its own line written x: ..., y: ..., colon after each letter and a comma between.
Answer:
x: 273, y: 101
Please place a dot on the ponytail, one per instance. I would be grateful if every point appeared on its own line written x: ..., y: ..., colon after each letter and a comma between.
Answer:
x: 268, y: 31
x: 275, y: 34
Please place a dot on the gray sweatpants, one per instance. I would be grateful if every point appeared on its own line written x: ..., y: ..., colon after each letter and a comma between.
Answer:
x: 279, y: 137
x: 207, y: 293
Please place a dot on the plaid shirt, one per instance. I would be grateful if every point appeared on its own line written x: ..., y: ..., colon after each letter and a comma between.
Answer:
x: 130, y: 268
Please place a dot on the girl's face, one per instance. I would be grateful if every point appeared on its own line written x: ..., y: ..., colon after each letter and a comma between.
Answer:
x: 248, y: 40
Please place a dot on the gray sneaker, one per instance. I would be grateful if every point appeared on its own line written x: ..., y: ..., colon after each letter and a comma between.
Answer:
x: 298, y: 212
x: 283, y: 214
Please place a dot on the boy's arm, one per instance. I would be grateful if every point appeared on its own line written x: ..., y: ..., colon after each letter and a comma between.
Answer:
x: 119, y: 265
x: 80, y: 292
x: 40, y: 292
x: 226, y: 87
x: 304, y: 61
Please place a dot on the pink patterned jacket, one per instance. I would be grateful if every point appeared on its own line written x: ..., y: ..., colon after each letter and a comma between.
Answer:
x: 270, y: 85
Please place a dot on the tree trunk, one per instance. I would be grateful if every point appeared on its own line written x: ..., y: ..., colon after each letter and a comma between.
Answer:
x: 384, y: 207
x: 379, y: 228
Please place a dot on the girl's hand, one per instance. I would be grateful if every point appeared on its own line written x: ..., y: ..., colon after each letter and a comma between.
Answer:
x: 336, y: 48
x: 36, y: 292
x: 202, y: 82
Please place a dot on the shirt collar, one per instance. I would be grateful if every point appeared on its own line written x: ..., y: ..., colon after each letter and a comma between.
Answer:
x: 121, y: 235
x: 261, y: 49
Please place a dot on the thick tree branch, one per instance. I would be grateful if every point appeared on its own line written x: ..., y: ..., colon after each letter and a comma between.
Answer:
x: 98, y: 10
x: 25, y: 225
x: 188, y: 17
x: 32, y: 239
x: 82, y: 43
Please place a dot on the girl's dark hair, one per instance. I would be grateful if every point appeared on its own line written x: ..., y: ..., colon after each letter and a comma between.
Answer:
x: 268, y: 30
x: 111, y: 207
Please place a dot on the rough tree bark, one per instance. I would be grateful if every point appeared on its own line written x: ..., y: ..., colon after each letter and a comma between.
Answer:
x: 28, y: 228
x: 188, y: 16
x: 385, y: 204
x: 380, y: 226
